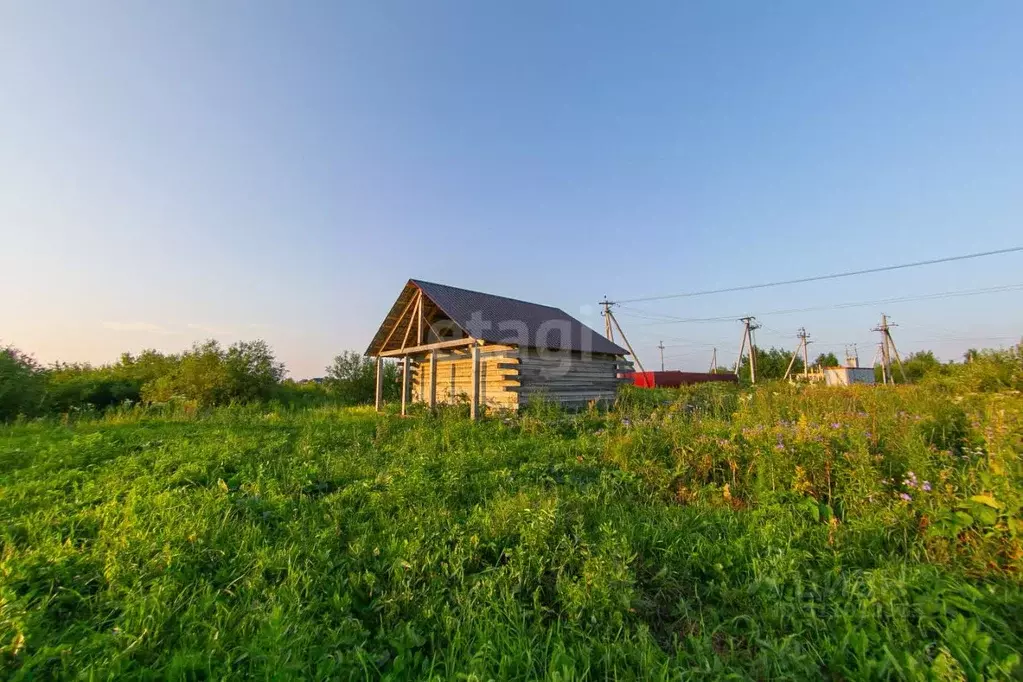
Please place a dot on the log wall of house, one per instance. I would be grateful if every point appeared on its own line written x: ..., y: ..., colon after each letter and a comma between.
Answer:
x: 511, y: 376
x: 498, y: 377
x: 567, y: 377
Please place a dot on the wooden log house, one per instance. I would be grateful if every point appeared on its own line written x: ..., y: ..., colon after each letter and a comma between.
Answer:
x: 459, y: 345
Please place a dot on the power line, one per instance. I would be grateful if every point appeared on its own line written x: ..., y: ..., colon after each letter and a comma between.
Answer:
x: 899, y: 299
x: 817, y: 278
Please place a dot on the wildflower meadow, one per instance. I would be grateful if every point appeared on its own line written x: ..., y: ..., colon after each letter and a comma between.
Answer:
x: 716, y: 532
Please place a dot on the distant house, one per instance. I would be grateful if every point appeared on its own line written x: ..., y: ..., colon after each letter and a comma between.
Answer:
x: 461, y: 345
x: 843, y: 376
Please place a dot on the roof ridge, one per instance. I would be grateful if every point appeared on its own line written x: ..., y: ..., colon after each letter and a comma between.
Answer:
x: 417, y: 282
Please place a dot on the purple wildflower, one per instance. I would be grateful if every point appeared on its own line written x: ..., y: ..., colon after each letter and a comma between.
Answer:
x: 836, y: 425
x: 926, y: 486
x: 906, y: 496
x: 868, y: 434
x: 779, y: 447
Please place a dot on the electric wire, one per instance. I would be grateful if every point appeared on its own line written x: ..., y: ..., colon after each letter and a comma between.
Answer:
x: 835, y: 275
x: 665, y: 319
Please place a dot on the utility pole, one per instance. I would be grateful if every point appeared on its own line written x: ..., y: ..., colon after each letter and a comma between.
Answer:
x: 879, y: 356
x: 888, y: 349
x: 660, y: 347
x: 804, y: 340
x: 610, y: 324
x: 806, y: 354
x: 714, y: 362
x: 608, y: 332
x: 749, y: 326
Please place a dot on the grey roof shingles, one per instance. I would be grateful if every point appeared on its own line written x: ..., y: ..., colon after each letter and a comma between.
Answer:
x: 498, y: 319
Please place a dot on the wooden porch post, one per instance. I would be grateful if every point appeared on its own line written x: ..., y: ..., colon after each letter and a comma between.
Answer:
x: 474, y: 406
x: 419, y: 315
x: 380, y: 383
x: 433, y: 380
x: 404, y: 386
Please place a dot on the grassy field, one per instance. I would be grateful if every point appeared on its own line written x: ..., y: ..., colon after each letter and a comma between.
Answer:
x: 867, y: 533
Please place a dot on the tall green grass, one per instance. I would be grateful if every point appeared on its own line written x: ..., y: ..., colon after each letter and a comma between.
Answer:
x: 713, y: 533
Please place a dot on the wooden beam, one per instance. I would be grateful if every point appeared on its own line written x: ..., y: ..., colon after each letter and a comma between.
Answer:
x: 474, y: 406
x: 397, y: 322
x: 408, y: 329
x: 433, y: 330
x: 404, y: 386
x: 433, y: 379
x: 440, y: 345
x: 419, y: 316
x: 380, y: 383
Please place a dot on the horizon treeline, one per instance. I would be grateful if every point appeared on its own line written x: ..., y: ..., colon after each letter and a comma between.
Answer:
x: 210, y: 374
x: 207, y: 374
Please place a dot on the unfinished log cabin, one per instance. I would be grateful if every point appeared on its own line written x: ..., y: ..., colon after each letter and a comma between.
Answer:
x: 456, y: 345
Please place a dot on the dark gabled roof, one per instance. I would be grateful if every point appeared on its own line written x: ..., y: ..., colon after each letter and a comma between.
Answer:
x: 497, y: 319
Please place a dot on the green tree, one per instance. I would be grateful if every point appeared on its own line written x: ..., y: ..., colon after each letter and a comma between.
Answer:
x: 917, y: 366
x: 826, y: 360
x: 211, y: 375
x: 771, y: 364
x: 351, y: 378
x: 22, y: 384
x: 253, y: 371
x: 77, y: 385
x: 74, y: 385
x: 149, y: 365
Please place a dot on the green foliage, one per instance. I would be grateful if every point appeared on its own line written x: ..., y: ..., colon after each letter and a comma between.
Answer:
x: 981, y: 371
x: 919, y: 365
x: 78, y: 386
x: 206, y: 375
x: 22, y: 384
x: 915, y: 367
x: 826, y: 360
x: 782, y: 532
x: 987, y: 371
x: 771, y: 364
x: 82, y: 386
x: 351, y: 379
x: 211, y: 375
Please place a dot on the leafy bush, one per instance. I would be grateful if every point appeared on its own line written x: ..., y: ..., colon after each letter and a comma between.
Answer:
x: 71, y: 386
x: 22, y: 384
x: 984, y: 371
x: 211, y: 375
x: 351, y: 379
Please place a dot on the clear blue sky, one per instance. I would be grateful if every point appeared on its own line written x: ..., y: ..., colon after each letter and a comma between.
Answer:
x: 176, y: 170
